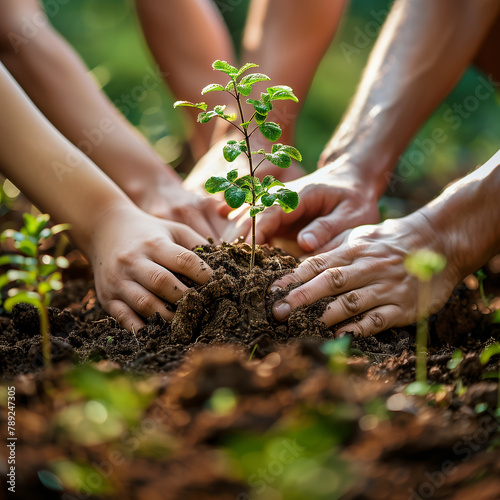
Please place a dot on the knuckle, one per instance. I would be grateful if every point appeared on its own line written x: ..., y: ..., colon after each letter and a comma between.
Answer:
x: 352, y: 302
x: 126, y: 258
x: 158, y: 279
x: 300, y: 296
x: 144, y: 304
x: 154, y: 243
x: 335, y: 277
x: 318, y: 263
x: 377, y: 321
x: 186, y: 260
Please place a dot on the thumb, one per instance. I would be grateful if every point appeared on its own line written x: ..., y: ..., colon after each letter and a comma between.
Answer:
x: 317, y: 233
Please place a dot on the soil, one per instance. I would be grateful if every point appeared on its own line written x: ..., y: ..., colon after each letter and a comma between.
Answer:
x: 224, y: 402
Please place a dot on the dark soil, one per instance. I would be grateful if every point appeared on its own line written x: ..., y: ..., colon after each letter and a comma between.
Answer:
x: 344, y: 424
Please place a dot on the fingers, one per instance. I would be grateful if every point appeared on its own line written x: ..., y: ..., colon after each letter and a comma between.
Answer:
x: 314, y: 266
x: 268, y: 224
x: 323, y: 229
x: 158, y: 280
x: 125, y: 316
x: 375, y: 321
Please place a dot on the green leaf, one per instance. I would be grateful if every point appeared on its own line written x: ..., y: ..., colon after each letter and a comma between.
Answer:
x: 206, y: 116
x: 244, y: 89
x: 261, y: 107
x: 211, y: 88
x: 232, y: 175
x: 188, y: 104
x: 424, y: 263
x: 233, y: 149
x: 220, y: 109
x: 246, y: 180
x: 270, y: 130
x: 268, y: 199
x: 225, y: 68
x: 456, y: 359
x: 289, y: 150
x: 253, y: 79
x: 22, y: 296
x: 260, y: 119
x: 255, y: 210
x: 248, y: 195
x: 281, y: 92
x: 489, y: 352
x: 216, y: 185
x: 279, y: 159
x: 234, y: 196
x: 269, y: 181
x: 34, y: 225
x: 288, y: 200
x: 418, y: 389
x: 27, y: 247
x: 246, y: 67
x: 58, y: 228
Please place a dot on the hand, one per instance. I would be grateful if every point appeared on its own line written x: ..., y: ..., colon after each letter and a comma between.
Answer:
x: 171, y: 201
x: 134, y: 256
x: 364, y: 270
x: 332, y: 199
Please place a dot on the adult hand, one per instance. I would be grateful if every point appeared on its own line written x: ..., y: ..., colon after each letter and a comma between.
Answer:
x: 134, y: 256
x: 171, y: 201
x: 364, y: 270
x: 332, y: 199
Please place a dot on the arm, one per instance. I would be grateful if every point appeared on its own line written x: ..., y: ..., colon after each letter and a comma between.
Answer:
x: 186, y: 37
x: 422, y: 51
x: 57, y: 81
x: 364, y: 268
x: 133, y: 254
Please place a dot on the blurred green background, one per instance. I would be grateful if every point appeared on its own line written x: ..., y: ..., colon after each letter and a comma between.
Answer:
x: 108, y: 37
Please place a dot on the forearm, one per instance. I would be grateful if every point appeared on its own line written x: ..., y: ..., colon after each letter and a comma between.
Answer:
x: 422, y: 51
x: 57, y: 81
x: 186, y: 37
x: 278, y: 37
x: 466, y: 218
x: 54, y: 174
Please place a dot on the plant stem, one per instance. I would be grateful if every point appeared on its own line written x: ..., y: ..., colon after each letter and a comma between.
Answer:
x: 250, y: 165
x: 45, y: 331
x: 422, y: 333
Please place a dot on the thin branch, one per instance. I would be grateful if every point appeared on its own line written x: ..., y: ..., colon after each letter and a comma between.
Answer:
x: 258, y: 165
x: 233, y: 124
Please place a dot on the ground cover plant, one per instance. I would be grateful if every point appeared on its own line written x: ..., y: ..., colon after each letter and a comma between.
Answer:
x: 248, y: 188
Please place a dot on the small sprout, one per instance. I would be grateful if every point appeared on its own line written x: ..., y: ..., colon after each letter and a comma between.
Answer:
x: 253, y: 352
x: 481, y: 276
x: 249, y: 189
x: 423, y: 264
x: 110, y: 339
x: 37, y: 275
x: 456, y: 359
x: 492, y: 350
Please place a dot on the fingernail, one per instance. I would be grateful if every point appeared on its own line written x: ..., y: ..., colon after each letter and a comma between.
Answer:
x: 282, y: 310
x: 310, y: 241
x: 274, y: 289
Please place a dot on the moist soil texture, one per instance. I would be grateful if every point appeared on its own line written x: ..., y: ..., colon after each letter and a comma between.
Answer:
x: 224, y: 402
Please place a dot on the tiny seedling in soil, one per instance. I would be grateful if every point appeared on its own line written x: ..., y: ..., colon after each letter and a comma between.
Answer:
x: 249, y: 188
x: 424, y: 264
x: 481, y: 276
x: 492, y: 350
x: 37, y: 274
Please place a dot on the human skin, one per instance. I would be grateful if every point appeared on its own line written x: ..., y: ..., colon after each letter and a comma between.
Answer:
x: 133, y: 254
x: 364, y: 268
x: 57, y: 81
x: 422, y: 51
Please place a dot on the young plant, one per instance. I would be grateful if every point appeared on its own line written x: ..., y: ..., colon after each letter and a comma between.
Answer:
x: 492, y: 350
x: 37, y: 274
x: 248, y: 188
x: 423, y: 264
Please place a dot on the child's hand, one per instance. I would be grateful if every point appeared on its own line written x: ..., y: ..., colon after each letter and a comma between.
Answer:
x: 134, y: 256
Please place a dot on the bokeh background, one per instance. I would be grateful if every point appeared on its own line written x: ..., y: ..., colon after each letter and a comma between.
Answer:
x: 108, y: 37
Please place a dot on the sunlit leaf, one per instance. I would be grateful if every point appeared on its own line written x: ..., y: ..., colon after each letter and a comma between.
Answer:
x: 279, y: 159
x: 288, y: 200
x: 281, y: 92
x: 255, y: 210
x: 206, y: 116
x: 244, y: 89
x: 260, y: 119
x: 22, y: 296
x: 232, y: 150
x: 216, y: 184
x: 189, y: 104
x: 232, y: 175
x: 270, y: 130
x: 211, y: 88
x: 225, y: 67
x: 261, y: 107
x: 246, y: 67
x: 268, y: 199
x: 234, y: 196
x: 289, y: 150
x: 269, y: 181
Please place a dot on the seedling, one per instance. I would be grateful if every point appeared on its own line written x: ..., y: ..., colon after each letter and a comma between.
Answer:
x: 423, y: 264
x: 37, y: 274
x: 492, y: 350
x: 248, y: 188
x: 481, y: 276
